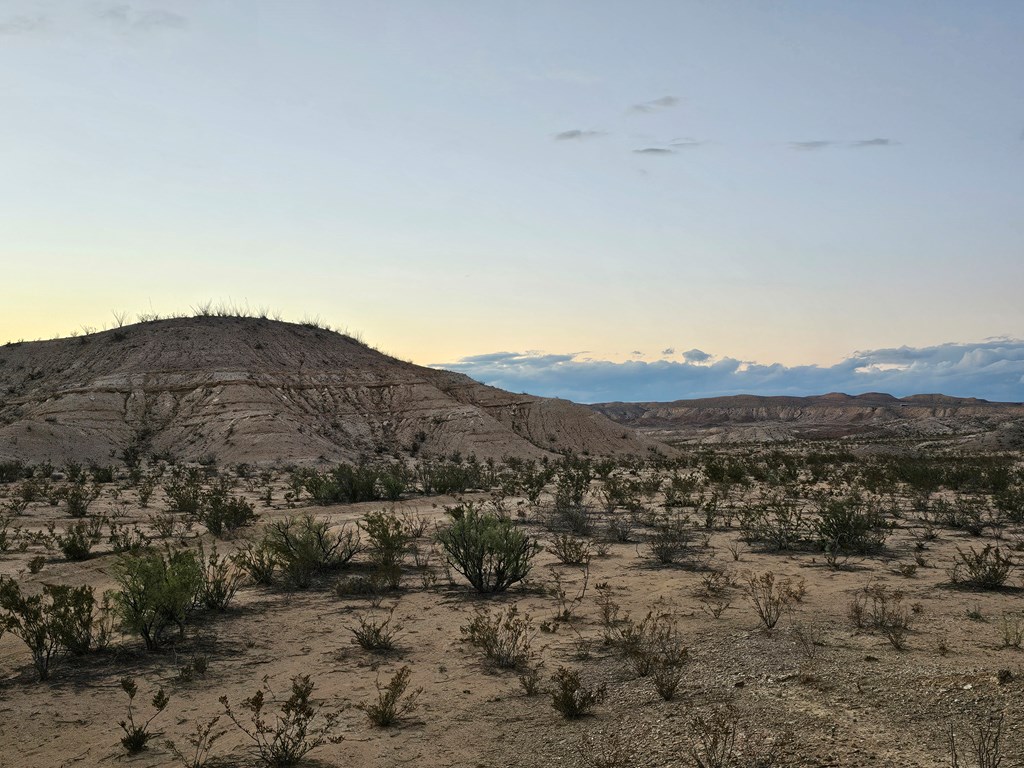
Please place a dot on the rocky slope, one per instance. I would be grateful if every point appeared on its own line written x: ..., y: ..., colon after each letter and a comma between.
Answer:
x: 873, y: 416
x: 257, y: 390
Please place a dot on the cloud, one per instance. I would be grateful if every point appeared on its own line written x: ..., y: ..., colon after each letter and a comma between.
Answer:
x: 668, y: 351
x: 665, y: 102
x: 991, y: 369
x: 125, y: 16
x: 696, y: 356
x: 653, y: 151
x: 578, y: 135
x: 805, y: 146
x: 863, y: 143
x: 686, y: 143
x: 19, y: 25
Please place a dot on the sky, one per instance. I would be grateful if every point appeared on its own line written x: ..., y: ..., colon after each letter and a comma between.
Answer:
x: 595, y: 200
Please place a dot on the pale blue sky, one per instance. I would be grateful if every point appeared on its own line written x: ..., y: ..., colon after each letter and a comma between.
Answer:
x: 825, y: 177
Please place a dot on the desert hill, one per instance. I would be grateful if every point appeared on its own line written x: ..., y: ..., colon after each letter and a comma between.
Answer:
x: 743, y: 418
x: 247, y: 389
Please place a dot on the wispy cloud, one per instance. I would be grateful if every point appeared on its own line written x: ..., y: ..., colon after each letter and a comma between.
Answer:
x: 686, y: 143
x: 992, y: 369
x: 125, y: 16
x: 665, y: 102
x: 577, y: 134
x: 806, y: 146
x: 864, y: 143
x: 653, y: 151
x: 20, y: 25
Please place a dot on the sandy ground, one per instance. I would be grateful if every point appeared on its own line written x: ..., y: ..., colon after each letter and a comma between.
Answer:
x: 848, y: 699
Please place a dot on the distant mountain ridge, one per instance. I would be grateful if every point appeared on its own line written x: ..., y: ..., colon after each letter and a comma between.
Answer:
x: 874, y: 415
x: 244, y: 389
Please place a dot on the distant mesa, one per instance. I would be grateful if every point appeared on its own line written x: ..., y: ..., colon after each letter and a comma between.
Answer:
x: 872, y: 416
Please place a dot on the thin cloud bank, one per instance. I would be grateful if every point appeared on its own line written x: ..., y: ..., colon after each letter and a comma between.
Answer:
x: 577, y: 134
x: 665, y: 102
x: 993, y: 370
x: 810, y: 146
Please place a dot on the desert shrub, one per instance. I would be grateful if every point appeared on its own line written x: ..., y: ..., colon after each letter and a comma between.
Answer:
x: 571, y: 550
x: 487, y: 549
x: 964, y: 513
x: 389, y: 539
x: 221, y: 579
x: 394, y: 700
x: 775, y: 521
x: 985, y: 750
x: 258, y: 561
x: 137, y: 735
x: 201, y: 742
x: 185, y: 492
x: 571, y: 485
x: 503, y: 636
x: 125, y: 539
x: 349, y: 484
x: 78, y: 497
x: 849, y: 526
x: 358, y: 585
x: 157, y: 592
x: 570, y: 697
x: 305, y: 547
x: 987, y: 569
x: 770, y: 598
x: 1012, y: 631
x: 668, y: 654
x: 57, y: 621
x: 670, y: 540
x: 712, y: 739
x: 634, y: 641
x: 13, y: 471
x: 880, y: 607
x: 77, y: 541
x: 223, y: 514
x: 101, y: 474
x: 285, y: 738
x: 374, y: 633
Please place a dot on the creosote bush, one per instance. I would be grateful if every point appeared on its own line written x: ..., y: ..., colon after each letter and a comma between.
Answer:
x: 283, y: 739
x: 987, y: 569
x: 157, y: 592
x: 503, y: 636
x: 59, y: 620
x: 570, y: 697
x: 485, y: 548
x: 304, y: 547
x: 771, y: 598
x: 137, y: 735
x: 394, y: 700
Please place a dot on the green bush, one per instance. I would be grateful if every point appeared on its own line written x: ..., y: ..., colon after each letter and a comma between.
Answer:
x: 157, y: 592
x: 223, y: 514
x: 389, y: 542
x: 57, y: 621
x: 848, y: 526
x: 305, y: 547
x: 77, y: 541
x: 487, y: 549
